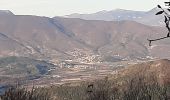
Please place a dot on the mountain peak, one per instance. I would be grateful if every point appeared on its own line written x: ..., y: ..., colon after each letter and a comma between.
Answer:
x: 143, y: 17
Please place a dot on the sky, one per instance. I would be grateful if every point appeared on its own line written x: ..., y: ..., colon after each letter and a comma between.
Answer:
x: 51, y: 8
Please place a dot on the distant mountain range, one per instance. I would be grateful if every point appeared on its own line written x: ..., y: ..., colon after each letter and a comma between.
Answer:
x: 59, y: 39
x: 144, y: 17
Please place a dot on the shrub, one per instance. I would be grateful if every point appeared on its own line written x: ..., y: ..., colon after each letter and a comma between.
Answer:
x: 24, y: 94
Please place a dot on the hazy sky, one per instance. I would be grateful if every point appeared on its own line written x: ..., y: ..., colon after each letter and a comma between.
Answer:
x: 63, y: 7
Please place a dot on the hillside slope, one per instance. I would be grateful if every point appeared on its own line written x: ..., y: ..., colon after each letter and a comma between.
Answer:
x: 58, y: 39
x: 152, y: 71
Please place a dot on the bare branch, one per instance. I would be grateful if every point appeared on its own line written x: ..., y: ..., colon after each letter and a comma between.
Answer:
x: 167, y: 22
x: 150, y: 41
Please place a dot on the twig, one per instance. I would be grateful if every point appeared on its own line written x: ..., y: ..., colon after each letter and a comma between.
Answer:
x: 150, y: 41
x: 167, y: 22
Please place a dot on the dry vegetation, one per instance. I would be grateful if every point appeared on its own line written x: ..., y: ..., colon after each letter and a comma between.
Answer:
x: 137, y: 88
x: 134, y: 83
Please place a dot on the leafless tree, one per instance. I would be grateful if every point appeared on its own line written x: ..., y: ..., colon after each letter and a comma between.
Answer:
x: 166, y: 14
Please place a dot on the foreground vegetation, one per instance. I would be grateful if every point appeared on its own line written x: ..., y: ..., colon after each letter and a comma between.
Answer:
x: 136, y: 88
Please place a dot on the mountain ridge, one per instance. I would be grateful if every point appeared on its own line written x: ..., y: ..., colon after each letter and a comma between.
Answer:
x: 144, y: 17
x: 77, y: 39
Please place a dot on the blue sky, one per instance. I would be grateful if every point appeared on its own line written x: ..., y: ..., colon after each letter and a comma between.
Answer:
x: 64, y: 7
